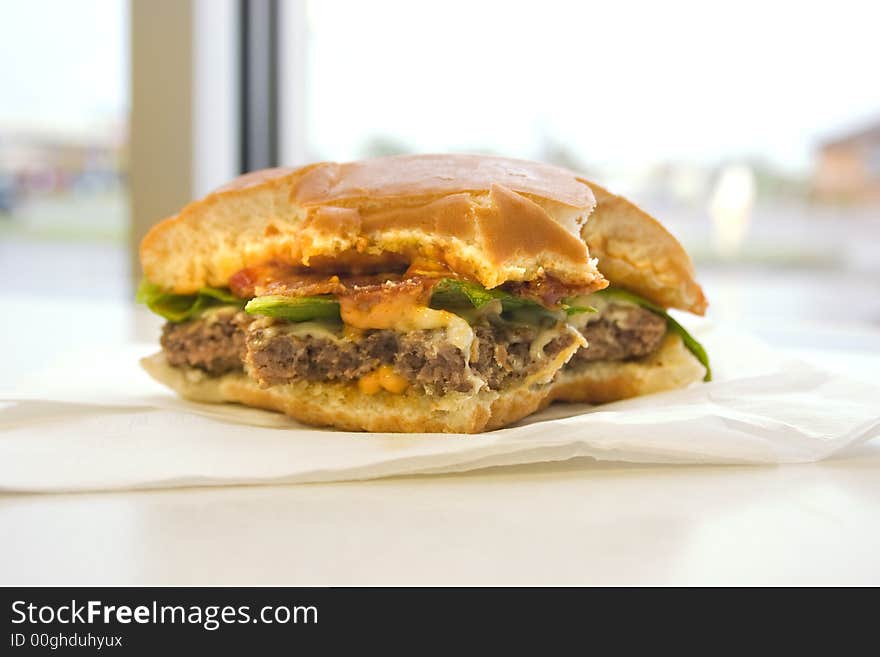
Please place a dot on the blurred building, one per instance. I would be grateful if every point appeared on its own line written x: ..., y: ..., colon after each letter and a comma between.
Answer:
x: 34, y: 163
x: 848, y: 168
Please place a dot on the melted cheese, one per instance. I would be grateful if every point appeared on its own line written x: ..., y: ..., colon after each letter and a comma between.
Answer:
x: 383, y: 378
x: 545, y: 337
x: 313, y: 330
x: 580, y: 320
x: 401, y: 315
x: 326, y: 330
x: 544, y: 374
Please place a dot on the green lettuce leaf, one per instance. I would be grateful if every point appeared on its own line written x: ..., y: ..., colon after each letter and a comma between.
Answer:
x: 577, y: 309
x: 181, y: 307
x: 221, y: 294
x: 453, y: 293
x: 449, y: 294
x: 689, y: 341
x: 295, y: 309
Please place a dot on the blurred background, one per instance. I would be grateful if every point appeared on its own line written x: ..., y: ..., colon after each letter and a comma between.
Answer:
x: 751, y: 129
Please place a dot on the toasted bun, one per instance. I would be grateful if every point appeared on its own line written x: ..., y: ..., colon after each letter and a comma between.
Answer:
x: 671, y: 366
x: 488, y: 218
x: 637, y: 253
x: 345, y: 407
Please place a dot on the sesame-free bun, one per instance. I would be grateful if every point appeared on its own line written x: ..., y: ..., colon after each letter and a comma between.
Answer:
x: 671, y: 366
x: 487, y: 218
x: 637, y: 253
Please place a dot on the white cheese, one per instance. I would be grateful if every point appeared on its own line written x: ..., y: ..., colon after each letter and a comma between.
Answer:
x: 545, y: 337
x: 458, y: 331
x: 327, y: 330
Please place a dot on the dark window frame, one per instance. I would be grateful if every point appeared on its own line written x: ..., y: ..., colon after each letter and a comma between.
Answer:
x: 259, y: 93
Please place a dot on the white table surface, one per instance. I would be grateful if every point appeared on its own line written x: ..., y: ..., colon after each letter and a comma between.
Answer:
x: 577, y: 522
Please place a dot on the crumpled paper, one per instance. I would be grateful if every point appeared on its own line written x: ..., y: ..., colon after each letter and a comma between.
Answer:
x: 97, y: 422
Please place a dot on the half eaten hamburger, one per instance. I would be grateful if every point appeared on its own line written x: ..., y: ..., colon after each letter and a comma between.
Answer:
x: 413, y: 293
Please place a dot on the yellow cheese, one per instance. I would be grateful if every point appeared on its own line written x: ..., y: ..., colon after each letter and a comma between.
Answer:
x: 399, y: 313
x: 383, y: 378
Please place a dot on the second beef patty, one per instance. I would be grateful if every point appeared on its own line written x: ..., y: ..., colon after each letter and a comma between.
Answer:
x: 620, y: 332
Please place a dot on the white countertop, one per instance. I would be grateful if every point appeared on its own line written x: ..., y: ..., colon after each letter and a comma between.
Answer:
x: 577, y: 522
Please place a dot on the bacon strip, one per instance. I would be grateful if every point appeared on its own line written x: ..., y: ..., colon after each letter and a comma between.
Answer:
x: 547, y: 291
x: 278, y: 278
x: 417, y: 290
x: 289, y: 281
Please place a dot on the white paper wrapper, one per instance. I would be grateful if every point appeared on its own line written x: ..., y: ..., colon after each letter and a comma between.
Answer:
x: 97, y: 422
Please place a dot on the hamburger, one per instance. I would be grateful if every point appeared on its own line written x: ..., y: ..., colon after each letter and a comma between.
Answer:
x: 634, y: 346
x: 434, y: 293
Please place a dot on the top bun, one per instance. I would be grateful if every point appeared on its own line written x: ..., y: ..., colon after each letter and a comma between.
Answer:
x: 637, y: 253
x: 490, y: 219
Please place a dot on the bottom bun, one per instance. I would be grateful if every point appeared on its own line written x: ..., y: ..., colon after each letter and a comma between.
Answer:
x: 671, y: 366
x: 345, y: 407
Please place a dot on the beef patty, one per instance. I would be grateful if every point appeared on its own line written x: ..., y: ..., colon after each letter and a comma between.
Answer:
x: 213, y: 343
x: 621, y: 332
x: 423, y: 358
x: 224, y: 341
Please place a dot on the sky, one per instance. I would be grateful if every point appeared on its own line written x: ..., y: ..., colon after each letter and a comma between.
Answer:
x: 617, y: 82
